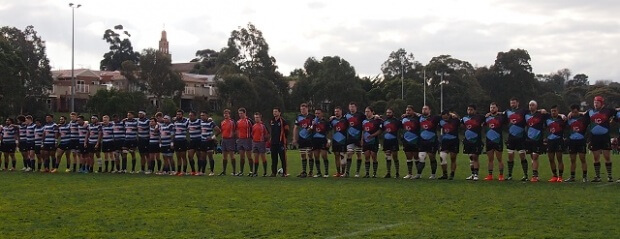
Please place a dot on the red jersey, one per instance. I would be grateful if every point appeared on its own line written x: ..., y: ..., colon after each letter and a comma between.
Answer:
x: 228, y: 128
x: 259, y: 132
x: 244, y: 128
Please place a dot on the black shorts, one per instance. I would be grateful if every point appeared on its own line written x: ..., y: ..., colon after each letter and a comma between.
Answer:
x: 319, y: 144
x: 166, y: 150
x: 208, y: 145
x: 390, y: 145
x: 600, y: 142
x: 75, y: 144
x: 339, y: 148
x: 130, y: 144
x: 48, y: 147
x: 408, y: 148
x: 555, y: 146
x: 119, y: 144
x: 305, y: 143
x: 107, y: 147
x: 534, y: 147
x: 65, y: 146
x: 180, y: 145
x: 143, y: 146
x: 23, y: 146
x: 576, y: 146
x: 153, y: 148
x: 194, y: 144
x: 29, y: 146
x: 450, y: 145
x: 37, y: 149
x: 370, y: 147
x: 92, y: 149
x: 515, y: 144
x: 499, y: 147
x: 8, y: 147
x: 356, y: 141
x: 81, y: 149
x: 472, y: 148
x: 428, y: 146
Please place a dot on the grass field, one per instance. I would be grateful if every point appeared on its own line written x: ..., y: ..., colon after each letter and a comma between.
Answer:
x: 36, y: 205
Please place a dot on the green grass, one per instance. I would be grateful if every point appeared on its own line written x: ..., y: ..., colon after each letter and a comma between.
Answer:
x: 36, y: 205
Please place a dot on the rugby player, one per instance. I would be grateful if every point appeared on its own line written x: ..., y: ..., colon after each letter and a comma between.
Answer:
x: 494, y: 122
x: 472, y: 142
x: 228, y: 142
x: 260, y: 136
x: 372, y: 127
x: 449, y: 143
x: 391, y: 126
x: 244, y: 141
x: 319, y: 129
x: 302, y: 138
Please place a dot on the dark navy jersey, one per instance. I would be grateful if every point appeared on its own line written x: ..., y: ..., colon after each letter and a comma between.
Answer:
x: 535, y: 125
x: 411, y: 127
x: 578, y: 126
x: 340, y: 126
x: 391, y: 126
x: 428, y: 127
x: 355, y: 125
x: 516, y: 122
x: 369, y: 127
x: 599, y: 120
x: 473, y: 128
x: 449, y: 128
x: 494, y: 125
x: 303, y: 123
x: 320, y: 127
x: 555, y: 128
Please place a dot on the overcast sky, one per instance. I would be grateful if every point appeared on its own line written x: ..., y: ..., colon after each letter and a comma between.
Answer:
x: 580, y: 35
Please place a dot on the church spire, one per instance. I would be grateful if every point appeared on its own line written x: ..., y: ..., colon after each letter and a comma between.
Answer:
x: 163, y: 43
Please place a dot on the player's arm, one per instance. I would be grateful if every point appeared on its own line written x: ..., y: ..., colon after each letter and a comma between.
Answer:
x: 100, y: 136
x: 295, y: 134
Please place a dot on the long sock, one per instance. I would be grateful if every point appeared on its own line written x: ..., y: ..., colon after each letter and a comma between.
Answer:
x: 191, y: 165
x: 46, y: 164
x: 311, y: 164
x: 6, y: 164
x: 107, y: 163
x: 113, y: 162
x: 224, y: 165
x: 511, y: 165
x: 367, y: 167
x: 349, y: 162
x: 68, y: 163
x: 252, y: 165
x: 524, y: 165
x: 535, y: 173
x: 304, y: 165
x: 14, y: 163
x: 501, y: 171
x: 242, y: 165
x: 561, y: 172
x: 572, y: 174
x: 608, y: 167
x: 74, y: 167
x: 318, y: 165
x: 142, y: 166
x: 410, y: 166
x: 211, y: 164
x: 133, y: 165
x: 39, y: 164
x: 359, y: 165
x: 255, y: 167
x: 388, y: 164
x: 264, y: 167
x: 179, y: 165
x: 420, y: 167
x: 375, y: 166
x: 124, y: 162
x: 54, y: 165
x: 326, y: 165
x: 25, y: 162
x: 397, y: 166
x: 597, y: 169
x: 585, y: 173
x: 434, y: 166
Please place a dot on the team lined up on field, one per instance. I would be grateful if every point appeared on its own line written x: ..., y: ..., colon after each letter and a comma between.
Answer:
x: 530, y: 131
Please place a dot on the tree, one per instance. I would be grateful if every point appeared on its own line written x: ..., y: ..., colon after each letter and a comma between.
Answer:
x: 399, y: 63
x: 121, y: 49
x: 236, y: 91
x: 26, y: 76
x: 154, y: 74
x: 207, y: 62
x: 116, y: 102
x: 578, y: 80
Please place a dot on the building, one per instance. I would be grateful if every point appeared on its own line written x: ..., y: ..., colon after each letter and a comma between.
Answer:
x: 199, y: 94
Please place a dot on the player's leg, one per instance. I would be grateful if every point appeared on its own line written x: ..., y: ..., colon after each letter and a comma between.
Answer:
x: 535, y: 156
x: 394, y: 155
x: 248, y: 154
x: 421, y: 164
x: 388, y: 162
x: 367, y: 163
x: 433, y: 160
x: 224, y: 162
x: 596, y: 154
x: 607, y: 155
x: 375, y: 163
x: 560, y: 164
x: 476, y: 164
x: 409, y: 157
x: 263, y: 157
x: 490, y: 164
x: 325, y: 161
x: 500, y: 162
x: 553, y: 166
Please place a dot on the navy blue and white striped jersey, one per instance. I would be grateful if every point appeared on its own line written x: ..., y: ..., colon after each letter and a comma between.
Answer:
x: 75, y: 131
x: 194, y: 129
x: 23, y: 132
x: 153, y: 135
x: 131, y: 130
x: 8, y: 134
x: 166, y: 132
x: 93, y: 133
x: 108, y: 132
x: 65, y: 134
x: 50, y: 131
x: 207, y: 130
x: 38, y: 135
x: 82, y: 133
x: 180, y: 129
x: 119, y: 131
x: 30, y: 133
x: 143, y: 128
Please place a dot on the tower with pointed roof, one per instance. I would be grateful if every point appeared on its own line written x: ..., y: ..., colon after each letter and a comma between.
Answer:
x: 163, y: 44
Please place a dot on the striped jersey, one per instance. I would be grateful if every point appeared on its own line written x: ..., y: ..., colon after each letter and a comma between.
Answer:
x: 50, y: 131
x: 119, y: 131
x: 194, y: 129
x: 82, y: 133
x: 65, y: 133
x: 108, y: 132
x: 143, y: 128
x: 23, y: 131
x: 153, y: 135
x: 166, y: 133
x: 74, y: 130
x: 244, y: 128
x: 206, y: 128
x: 38, y: 135
x: 131, y: 130
x: 8, y: 134
x: 94, y: 130
x: 180, y: 129
x: 30, y: 132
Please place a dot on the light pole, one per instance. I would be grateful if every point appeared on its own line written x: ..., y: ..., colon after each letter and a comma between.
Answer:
x: 73, y: 85
x: 424, y: 83
x: 402, y: 78
x: 441, y: 83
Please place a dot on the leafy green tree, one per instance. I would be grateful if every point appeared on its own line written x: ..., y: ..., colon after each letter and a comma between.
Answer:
x: 207, y: 62
x: 236, y: 91
x: 116, y: 102
x: 26, y: 75
x: 121, y: 49
x: 578, y: 80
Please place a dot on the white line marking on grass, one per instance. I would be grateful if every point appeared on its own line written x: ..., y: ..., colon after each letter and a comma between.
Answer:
x: 371, y: 229
x: 606, y: 184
